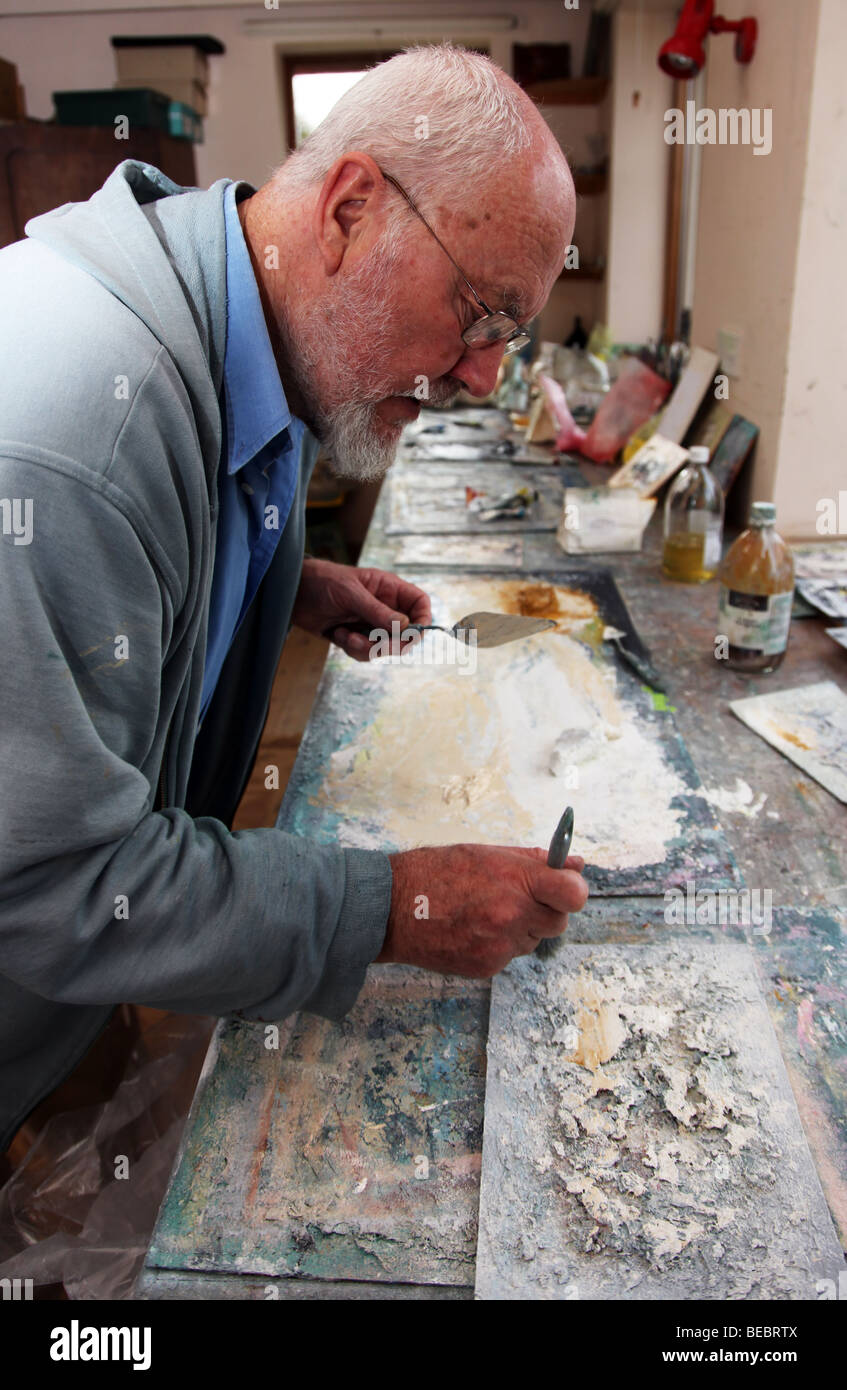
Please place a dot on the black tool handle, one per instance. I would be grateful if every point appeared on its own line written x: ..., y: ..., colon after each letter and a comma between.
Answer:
x: 557, y: 857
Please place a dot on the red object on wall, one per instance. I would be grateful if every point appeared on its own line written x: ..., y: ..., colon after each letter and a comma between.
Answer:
x: 683, y: 55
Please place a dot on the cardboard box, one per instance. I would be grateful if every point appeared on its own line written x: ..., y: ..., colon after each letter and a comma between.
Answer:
x: 153, y: 66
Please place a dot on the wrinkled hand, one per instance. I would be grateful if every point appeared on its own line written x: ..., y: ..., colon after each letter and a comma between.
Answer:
x: 469, y: 909
x: 344, y: 604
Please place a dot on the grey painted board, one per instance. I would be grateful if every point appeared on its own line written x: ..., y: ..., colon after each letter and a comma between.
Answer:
x: 430, y: 498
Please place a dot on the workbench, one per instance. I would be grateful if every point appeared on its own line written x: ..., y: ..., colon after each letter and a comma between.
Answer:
x: 405, y: 1070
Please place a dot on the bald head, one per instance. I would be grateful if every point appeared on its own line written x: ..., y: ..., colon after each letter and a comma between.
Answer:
x: 367, y: 307
x: 444, y: 121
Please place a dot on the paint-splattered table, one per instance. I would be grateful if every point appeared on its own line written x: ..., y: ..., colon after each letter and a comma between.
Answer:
x: 343, y: 1160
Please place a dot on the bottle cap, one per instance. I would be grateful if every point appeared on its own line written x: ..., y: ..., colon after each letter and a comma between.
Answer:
x: 699, y: 454
x: 762, y: 514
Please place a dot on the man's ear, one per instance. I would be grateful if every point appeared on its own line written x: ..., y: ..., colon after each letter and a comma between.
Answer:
x: 349, y: 195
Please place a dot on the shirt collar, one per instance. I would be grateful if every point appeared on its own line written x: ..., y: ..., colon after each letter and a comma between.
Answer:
x: 256, y: 408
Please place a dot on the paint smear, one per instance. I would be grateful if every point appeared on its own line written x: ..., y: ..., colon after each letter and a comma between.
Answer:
x: 737, y: 800
x: 494, y: 755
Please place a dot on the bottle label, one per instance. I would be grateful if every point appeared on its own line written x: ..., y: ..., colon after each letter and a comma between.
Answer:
x: 710, y: 528
x: 756, y: 622
x: 712, y: 548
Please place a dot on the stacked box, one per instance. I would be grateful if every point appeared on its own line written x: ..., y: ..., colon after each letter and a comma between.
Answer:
x: 178, y: 68
x: 171, y: 63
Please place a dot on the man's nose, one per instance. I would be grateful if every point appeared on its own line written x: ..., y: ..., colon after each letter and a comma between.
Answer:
x: 477, y: 368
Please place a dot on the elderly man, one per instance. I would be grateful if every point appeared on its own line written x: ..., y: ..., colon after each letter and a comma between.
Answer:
x: 170, y: 360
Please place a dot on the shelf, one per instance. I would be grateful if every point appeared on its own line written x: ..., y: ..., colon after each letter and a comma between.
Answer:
x: 571, y: 91
x: 588, y: 274
x: 589, y: 185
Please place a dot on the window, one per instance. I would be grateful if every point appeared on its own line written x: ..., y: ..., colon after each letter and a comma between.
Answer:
x: 313, y: 83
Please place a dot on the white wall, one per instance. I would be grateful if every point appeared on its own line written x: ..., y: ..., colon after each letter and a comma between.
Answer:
x: 811, y: 455
x: 750, y: 217
x: 638, y: 176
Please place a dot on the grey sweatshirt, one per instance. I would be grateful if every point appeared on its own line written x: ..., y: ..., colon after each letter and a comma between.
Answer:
x: 112, y: 338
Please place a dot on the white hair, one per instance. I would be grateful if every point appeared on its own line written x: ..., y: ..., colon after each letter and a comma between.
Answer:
x: 439, y: 118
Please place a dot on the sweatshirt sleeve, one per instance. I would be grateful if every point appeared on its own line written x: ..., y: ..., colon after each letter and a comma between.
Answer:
x: 103, y: 899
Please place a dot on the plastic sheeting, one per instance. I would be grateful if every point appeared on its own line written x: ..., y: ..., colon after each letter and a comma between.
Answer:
x: 80, y: 1208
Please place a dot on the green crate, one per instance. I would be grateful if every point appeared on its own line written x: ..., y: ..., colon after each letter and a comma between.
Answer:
x: 184, y: 122
x: 142, y: 106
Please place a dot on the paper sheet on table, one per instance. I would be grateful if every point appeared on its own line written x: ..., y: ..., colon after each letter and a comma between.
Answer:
x: 807, y: 724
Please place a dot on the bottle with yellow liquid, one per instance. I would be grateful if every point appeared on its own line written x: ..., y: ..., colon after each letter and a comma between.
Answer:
x: 693, y: 522
x: 757, y: 592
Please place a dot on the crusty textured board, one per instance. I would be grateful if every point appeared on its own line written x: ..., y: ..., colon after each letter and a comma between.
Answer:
x: 641, y: 1139
x: 344, y: 1150
x: 430, y: 498
x: 461, y: 552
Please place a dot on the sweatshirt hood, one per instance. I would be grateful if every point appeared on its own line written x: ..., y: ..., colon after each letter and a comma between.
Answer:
x: 153, y: 245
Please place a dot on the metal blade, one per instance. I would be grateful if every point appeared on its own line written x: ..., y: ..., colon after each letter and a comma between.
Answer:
x: 495, y: 629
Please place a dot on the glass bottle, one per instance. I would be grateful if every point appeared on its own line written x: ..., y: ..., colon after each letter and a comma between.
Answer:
x: 757, y: 591
x: 513, y: 391
x: 693, y: 522
x: 577, y: 338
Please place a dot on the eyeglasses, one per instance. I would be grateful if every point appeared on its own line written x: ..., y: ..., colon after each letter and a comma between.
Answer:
x: 494, y: 326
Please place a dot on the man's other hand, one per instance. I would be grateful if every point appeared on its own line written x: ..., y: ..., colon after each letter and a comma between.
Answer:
x: 346, y: 604
x: 469, y: 909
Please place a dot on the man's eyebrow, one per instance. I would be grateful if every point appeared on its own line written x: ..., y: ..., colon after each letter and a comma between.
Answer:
x: 513, y: 303
x: 507, y: 299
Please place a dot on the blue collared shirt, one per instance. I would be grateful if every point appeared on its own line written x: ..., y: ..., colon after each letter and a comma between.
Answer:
x: 260, y: 460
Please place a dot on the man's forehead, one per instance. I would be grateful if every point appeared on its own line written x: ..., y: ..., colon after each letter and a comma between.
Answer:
x: 512, y: 276
x: 520, y: 298
x: 505, y: 254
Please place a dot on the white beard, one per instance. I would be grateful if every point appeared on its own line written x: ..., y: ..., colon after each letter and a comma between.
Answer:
x: 355, y: 448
